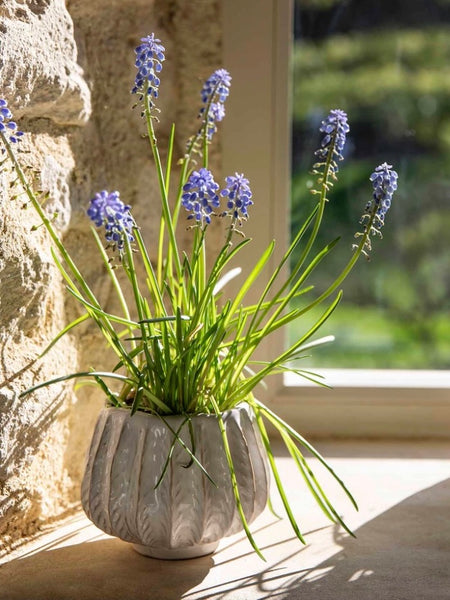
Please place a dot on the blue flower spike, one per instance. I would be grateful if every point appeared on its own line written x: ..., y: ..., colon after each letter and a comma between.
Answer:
x: 200, y: 196
x: 8, y: 127
x: 238, y: 194
x: 384, y: 180
x: 149, y: 58
x: 214, y: 93
x: 107, y: 210
x: 335, y: 127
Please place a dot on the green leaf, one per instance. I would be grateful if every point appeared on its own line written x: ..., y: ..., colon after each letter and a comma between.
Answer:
x: 234, y: 482
x: 241, y: 391
x: 74, y: 376
x: 286, y: 299
x: 229, y: 276
x: 313, y: 485
x: 252, y: 276
x: 98, y: 311
x: 170, y: 454
x: 276, y: 475
x: 111, y: 274
x: 112, y: 398
x: 66, y: 329
x: 169, y: 158
x: 188, y: 450
x: 283, y: 426
x: 165, y: 319
x: 152, y: 282
x: 265, y: 307
x: 101, y: 321
x: 138, y: 394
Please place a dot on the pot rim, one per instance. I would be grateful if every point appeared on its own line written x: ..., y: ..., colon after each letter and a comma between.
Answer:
x: 242, y: 406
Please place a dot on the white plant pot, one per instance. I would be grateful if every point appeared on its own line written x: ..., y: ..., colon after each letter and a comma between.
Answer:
x: 186, y: 515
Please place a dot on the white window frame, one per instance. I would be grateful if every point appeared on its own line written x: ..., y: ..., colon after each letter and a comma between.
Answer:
x: 257, y: 43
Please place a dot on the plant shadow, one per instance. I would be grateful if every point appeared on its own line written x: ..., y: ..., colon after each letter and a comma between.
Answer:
x: 401, y: 554
x: 107, y: 568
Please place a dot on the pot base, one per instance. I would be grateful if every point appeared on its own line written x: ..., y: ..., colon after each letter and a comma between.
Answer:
x: 176, y: 553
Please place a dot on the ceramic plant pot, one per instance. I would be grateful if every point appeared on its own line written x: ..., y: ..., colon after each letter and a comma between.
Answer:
x: 186, y: 515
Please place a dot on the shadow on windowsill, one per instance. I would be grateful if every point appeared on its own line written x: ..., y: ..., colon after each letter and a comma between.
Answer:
x: 401, y: 554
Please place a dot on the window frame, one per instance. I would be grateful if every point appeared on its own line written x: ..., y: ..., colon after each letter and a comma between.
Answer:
x: 256, y: 136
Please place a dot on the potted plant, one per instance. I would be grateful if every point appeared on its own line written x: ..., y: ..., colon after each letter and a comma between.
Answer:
x: 181, y: 456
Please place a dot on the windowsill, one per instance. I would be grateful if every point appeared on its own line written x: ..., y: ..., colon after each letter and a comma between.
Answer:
x: 367, y: 404
x: 375, y: 378
x: 401, y: 548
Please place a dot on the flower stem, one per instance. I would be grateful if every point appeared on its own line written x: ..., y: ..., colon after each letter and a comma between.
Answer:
x: 166, y: 216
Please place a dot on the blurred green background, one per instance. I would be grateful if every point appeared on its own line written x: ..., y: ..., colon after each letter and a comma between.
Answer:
x: 387, y: 64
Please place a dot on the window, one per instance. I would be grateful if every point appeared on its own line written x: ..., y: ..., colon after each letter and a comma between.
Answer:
x: 389, y: 70
x: 257, y: 48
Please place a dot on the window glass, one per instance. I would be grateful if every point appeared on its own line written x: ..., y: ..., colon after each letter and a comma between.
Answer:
x: 387, y: 64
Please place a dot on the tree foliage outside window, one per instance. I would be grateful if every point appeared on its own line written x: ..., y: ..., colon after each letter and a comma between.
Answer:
x: 387, y: 64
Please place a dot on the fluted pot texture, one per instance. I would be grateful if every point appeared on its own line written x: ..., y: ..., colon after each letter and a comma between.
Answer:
x: 186, y: 515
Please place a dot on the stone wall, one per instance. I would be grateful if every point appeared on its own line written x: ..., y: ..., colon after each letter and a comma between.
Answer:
x: 66, y: 70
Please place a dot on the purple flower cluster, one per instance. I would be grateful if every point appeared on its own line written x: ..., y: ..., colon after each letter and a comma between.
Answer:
x: 108, y: 210
x: 335, y: 127
x: 200, y: 196
x: 238, y: 194
x: 7, y: 126
x: 219, y: 83
x: 384, y: 181
x: 149, y: 56
x: 214, y: 93
x: 217, y: 111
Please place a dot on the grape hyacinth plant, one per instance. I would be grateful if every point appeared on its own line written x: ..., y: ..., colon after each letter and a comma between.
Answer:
x: 109, y: 211
x: 384, y: 181
x: 185, y: 347
x: 214, y: 93
x: 238, y: 194
x: 149, y: 57
x: 200, y: 196
x: 335, y: 127
x: 8, y: 127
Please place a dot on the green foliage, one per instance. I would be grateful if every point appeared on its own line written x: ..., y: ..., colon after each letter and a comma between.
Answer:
x: 367, y: 337
x: 358, y: 73
x: 182, y: 345
x: 395, y: 84
x: 190, y: 349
